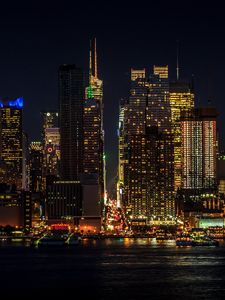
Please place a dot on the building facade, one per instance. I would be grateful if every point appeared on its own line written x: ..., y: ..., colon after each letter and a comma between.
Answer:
x: 64, y: 202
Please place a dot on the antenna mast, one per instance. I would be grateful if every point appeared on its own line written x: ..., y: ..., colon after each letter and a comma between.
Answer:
x: 177, y: 60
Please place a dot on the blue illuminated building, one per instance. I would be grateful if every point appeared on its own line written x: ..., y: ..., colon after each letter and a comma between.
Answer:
x: 17, y: 103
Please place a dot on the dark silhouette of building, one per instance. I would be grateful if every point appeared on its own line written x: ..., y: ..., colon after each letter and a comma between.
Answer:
x: 71, y: 97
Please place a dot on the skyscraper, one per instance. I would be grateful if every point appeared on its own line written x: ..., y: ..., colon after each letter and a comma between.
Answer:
x: 146, y: 184
x: 181, y: 102
x: 64, y: 197
x: 50, y: 146
x: 122, y: 157
x: 11, y: 141
x: 92, y: 120
x: 71, y: 98
x: 199, y: 153
x: 35, y: 166
x: 199, y: 149
x: 159, y: 157
x: 132, y: 194
x: 92, y: 143
x: 93, y: 155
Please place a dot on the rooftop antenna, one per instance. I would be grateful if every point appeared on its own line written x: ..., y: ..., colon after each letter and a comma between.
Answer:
x: 177, y: 60
x: 90, y: 64
x: 95, y: 59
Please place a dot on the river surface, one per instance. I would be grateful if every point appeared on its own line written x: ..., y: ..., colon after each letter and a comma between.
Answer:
x: 115, y: 269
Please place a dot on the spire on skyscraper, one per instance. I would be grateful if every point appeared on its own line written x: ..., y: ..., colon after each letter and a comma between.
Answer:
x: 95, y: 60
x: 177, y: 60
x: 90, y: 63
x: 89, y: 89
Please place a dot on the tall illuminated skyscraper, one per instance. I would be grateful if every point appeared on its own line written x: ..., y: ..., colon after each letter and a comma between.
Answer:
x: 199, y: 149
x: 71, y: 98
x: 93, y: 155
x: 131, y: 193
x: 160, y: 157
x: 146, y: 184
x: 199, y: 189
x: 11, y: 141
x: 92, y: 143
x: 181, y: 102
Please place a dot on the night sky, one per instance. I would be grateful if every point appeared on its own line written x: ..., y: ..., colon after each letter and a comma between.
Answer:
x: 36, y: 38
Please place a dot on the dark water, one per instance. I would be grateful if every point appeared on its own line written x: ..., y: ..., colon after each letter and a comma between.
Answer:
x: 116, y: 269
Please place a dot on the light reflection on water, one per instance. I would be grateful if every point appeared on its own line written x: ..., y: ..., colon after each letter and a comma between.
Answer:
x: 129, y: 268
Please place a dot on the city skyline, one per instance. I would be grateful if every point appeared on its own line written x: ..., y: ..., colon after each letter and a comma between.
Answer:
x: 112, y: 149
x: 46, y: 41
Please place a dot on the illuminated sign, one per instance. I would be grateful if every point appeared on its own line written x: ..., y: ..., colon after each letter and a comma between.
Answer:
x: 50, y: 150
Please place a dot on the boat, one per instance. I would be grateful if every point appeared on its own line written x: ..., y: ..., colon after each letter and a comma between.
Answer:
x: 50, y: 240
x: 183, y: 240
x: 73, y: 240
x: 201, y: 238
x: 205, y: 241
